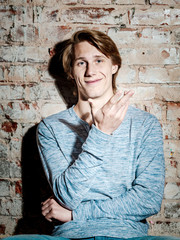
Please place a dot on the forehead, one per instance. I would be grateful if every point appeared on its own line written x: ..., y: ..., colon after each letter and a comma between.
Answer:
x: 85, y: 49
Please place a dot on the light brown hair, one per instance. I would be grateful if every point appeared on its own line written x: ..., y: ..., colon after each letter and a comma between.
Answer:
x: 99, y: 40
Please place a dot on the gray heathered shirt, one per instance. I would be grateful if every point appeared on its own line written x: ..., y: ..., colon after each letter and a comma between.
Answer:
x: 112, y: 183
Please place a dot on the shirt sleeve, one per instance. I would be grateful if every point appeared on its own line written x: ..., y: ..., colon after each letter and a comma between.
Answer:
x: 144, y: 198
x: 70, y: 183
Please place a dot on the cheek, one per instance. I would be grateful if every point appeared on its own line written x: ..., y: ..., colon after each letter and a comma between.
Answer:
x: 79, y: 74
x: 107, y: 71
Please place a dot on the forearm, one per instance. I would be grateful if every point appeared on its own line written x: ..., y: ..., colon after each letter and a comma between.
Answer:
x: 144, y: 197
x: 71, y: 182
x: 136, y: 204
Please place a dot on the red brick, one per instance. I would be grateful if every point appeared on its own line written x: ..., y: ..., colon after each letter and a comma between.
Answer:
x: 168, y: 93
x: 19, y: 111
x: 172, y: 191
x: 4, y: 188
x: 171, y: 130
x: 140, y: 36
x: 127, y: 74
x: 24, y: 33
x: 55, y: 33
x: 11, y: 207
x: 48, y: 108
x: 161, y: 228
x: 23, y: 54
x: 165, y: 2
x: 141, y: 93
x: 10, y: 223
x: 149, y: 56
x: 44, y: 14
x: 2, y: 229
x: 12, y: 92
x: 15, y: 14
x: 159, y: 74
x: 36, y: 92
x: 171, y: 169
x: 18, y: 187
x: 3, y: 150
x: 4, y: 169
x: 70, y: 2
x: 95, y: 2
x: 131, y: 2
x: 46, y: 3
x: 22, y: 73
x: 173, y: 111
x: 13, y: 54
x: 172, y: 145
x: 155, y: 16
x: 95, y: 15
x: 9, y: 126
x: 171, y: 210
x: 15, y: 166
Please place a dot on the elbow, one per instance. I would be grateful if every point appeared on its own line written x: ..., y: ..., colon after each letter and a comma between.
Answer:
x: 157, y: 209
x: 157, y: 203
x: 64, y: 195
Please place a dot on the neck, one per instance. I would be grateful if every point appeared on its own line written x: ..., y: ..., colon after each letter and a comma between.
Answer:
x: 83, y: 107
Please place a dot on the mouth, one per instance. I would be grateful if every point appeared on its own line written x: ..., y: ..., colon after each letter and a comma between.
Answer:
x: 93, y: 81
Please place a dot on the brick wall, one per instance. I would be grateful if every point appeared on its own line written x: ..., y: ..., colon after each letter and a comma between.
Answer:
x: 147, y: 33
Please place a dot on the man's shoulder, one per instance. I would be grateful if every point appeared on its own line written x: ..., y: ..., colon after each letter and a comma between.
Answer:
x: 56, y: 120
x: 57, y: 116
x: 142, y: 117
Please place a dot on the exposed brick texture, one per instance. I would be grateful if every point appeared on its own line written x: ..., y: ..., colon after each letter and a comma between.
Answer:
x: 147, y: 34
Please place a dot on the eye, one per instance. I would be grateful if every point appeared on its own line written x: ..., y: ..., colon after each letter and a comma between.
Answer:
x: 99, y: 60
x: 81, y: 63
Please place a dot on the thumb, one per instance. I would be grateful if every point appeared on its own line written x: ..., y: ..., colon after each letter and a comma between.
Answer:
x: 92, y: 110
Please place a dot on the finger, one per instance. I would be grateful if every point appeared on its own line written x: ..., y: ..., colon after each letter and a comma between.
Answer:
x: 115, y: 98
x: 117, y: 101
x: 48, y: 203
x: 43, y: 208
x: 125, y: 98
x: 43, y: 203
x: 49, y: 217
x: 122, y: 111
x: 46, y: 209
x: 92, y: 111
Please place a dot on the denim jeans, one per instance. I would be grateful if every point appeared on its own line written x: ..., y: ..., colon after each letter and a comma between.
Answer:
x: 47, y: 237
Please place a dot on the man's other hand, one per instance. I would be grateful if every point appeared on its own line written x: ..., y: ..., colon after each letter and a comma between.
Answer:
x: 52, y: 210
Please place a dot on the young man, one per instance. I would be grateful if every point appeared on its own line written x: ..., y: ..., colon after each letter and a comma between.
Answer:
x: 103, y: 158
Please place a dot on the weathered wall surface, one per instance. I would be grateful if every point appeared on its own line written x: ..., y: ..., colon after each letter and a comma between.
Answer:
x: 148, y: 37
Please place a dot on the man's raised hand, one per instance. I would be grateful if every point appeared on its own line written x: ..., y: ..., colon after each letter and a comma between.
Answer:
x: 110, y: 116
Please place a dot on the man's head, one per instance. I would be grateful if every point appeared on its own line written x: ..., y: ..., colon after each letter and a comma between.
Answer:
x: 99, y: 40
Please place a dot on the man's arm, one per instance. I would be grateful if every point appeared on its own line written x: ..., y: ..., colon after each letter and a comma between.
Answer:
x: 71, y: 182
x: 145, y: 196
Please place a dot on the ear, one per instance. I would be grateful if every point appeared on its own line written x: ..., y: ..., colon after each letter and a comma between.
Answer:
x: 114, y: 69
x: 71, y: 76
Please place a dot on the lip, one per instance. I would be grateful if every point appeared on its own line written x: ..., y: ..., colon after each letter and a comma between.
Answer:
x: 93, y: 81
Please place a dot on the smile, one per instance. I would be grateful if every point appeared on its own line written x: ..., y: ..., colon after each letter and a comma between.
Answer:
x: 93, y: 81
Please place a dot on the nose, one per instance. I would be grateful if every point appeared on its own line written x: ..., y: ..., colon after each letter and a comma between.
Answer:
x: 90, y: 70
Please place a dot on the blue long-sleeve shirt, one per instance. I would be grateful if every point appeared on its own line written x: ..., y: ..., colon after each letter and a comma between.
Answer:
x: 112, y: 183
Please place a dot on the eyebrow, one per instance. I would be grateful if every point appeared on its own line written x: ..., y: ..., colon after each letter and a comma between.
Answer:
x: 95, y: 56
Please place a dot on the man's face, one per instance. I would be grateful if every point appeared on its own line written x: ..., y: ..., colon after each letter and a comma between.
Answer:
x: 92, y: 71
